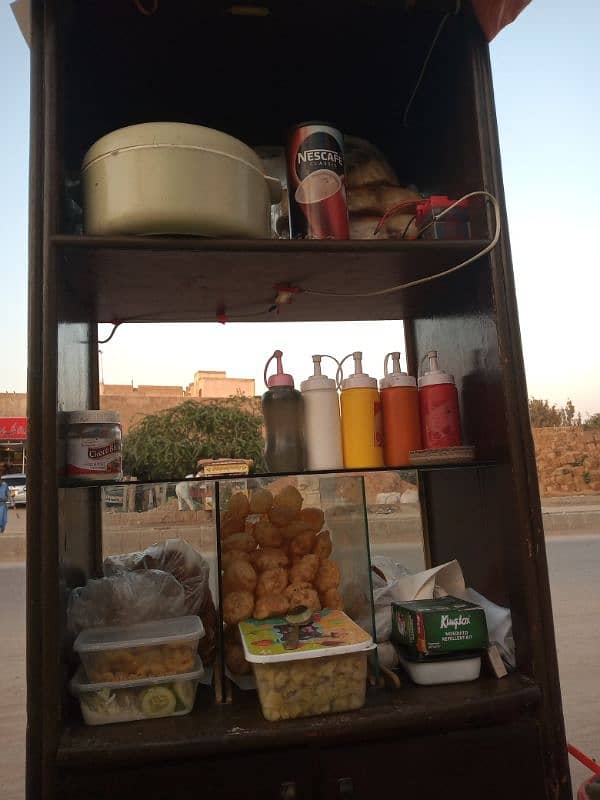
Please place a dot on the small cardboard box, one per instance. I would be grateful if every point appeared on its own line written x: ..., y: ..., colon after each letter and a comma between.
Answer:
x: 430, y: 628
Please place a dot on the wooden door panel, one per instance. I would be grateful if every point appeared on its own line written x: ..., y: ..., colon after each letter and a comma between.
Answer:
x: 495, y: 763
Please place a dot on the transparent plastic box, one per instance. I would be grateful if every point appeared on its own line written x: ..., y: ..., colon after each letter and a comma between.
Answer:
x: 127, y: 701
x: 442, y: 670
x: 145, y: 650
x: 325, y: 674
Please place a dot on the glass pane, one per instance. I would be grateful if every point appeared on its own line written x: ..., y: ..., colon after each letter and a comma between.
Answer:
x: 293, y: 522
x: 179, y: 519
x: 395, y: 524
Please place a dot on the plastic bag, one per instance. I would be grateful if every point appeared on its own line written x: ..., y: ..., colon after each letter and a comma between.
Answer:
x: 366, y: 164
x: 125, y: 599
x: 191, y: 569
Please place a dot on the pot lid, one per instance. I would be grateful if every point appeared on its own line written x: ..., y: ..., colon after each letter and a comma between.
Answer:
x: 175, y: 134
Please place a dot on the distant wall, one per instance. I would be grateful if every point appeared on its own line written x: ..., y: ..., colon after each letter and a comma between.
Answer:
x: 215, y: 384
x: 568, y: 461
x: 134, y: 407
x: 13, y: 404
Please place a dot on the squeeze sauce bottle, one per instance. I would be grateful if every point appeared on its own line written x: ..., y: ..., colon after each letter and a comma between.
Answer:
x: 322, y: 427
x: 400, y: 404
x: 284, y: 421
x: 438, y: 403
x: 362, y: 434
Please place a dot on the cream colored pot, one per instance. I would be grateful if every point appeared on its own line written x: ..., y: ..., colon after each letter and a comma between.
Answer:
x: 173, y: 178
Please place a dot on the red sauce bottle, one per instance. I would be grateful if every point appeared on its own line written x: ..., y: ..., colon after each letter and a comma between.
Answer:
x: 438, y: 404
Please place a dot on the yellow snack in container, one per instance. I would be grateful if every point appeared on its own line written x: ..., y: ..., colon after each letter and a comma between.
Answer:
x: 325, y: 674
x: 144, y: 650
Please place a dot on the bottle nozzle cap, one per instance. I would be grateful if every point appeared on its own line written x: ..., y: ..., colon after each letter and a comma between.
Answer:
x: 280, y: 378
x: 358, y: 379
x: 396, y: 377
x: 434, y: 374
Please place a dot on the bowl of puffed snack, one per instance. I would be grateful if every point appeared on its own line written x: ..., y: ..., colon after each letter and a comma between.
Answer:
x: 326, y: 672
x: 145, y: 650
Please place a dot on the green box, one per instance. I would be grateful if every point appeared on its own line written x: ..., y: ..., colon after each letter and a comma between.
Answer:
x: 428, y: 628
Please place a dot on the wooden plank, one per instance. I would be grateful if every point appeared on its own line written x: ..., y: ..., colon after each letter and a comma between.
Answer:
x: 529, y: 553
x: 164, y: 280
x: 213, y: 729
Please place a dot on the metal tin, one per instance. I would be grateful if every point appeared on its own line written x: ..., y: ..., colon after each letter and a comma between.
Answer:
x: 316, y: 182
x: 94, y: 446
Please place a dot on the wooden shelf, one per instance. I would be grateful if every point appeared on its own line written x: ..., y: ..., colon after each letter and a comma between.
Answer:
x: 165, y: 279
x: 240, y: 726
x: 269, y: 475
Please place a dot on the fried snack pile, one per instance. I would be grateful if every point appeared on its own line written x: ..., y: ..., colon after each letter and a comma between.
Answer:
x: 293, y: 689
x: 275, y: 556
x: 131, y: 663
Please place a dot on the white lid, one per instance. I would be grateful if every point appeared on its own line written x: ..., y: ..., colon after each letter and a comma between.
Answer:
x: 79, y: 686
x: 172, y: 134
x: 358, y: 379
x: 93, y: 415
x: 328, y: 620
x: 143, y: 634
x: 396, y: 377
x: 318, y: 380
x: 434, y: 375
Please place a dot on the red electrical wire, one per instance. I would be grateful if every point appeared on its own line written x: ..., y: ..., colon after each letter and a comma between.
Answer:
x: 588, y: 762
x: 394, y: 210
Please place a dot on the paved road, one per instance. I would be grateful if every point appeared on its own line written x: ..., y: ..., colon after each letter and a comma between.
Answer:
x: 12, y: 681
x: 574, y: 568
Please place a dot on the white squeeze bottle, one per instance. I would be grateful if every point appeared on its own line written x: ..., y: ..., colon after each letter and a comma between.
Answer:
x: 322, y: 427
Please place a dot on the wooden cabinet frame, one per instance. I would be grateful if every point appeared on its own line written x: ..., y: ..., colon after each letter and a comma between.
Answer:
x: 495, y: 531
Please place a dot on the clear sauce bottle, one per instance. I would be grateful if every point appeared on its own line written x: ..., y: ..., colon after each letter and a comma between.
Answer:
x: 283, y: 412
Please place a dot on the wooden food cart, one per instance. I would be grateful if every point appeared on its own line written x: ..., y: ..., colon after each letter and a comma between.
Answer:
x: 98, y: 66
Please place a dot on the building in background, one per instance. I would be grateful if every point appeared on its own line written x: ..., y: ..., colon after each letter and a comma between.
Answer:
x: 215, y: 384
x: 135, y: 402
x: 132, y: 403
x: 13, y: 432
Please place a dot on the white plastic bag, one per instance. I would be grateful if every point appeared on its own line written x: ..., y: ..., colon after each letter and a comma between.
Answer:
x: 125, y: 599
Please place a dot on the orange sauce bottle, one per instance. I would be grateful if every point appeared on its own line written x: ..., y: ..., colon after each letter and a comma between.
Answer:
x: 401, y: 423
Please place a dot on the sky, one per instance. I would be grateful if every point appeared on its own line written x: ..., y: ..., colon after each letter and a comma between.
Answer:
x: 546, y: 70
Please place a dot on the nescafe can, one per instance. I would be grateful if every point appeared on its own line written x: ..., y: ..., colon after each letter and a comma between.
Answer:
x: 316, y: 182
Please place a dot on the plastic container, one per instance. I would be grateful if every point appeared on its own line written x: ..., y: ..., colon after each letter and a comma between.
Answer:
x: 283, y: 411
x: 322, y: 425
x: 362, y: 428
x: 442, y: 670
x: 438, y: 406
x: 454, y: 224
x: 400, y: 406
x: 93, y: 446
x: 145, y: 650
x: 126, y: 701
x: 175, y: 178
x: 326, y: 673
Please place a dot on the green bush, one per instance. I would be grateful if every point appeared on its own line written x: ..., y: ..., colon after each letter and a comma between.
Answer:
x: 168, y: 445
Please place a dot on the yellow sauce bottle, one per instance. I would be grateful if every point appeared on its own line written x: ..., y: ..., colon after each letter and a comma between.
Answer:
x: 362, y: 431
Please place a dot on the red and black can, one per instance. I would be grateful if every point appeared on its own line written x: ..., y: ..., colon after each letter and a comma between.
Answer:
x: 316, y: 182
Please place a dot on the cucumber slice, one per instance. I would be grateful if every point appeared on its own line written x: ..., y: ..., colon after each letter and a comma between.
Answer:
x: 157, y: 701
x: 185, y: 692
